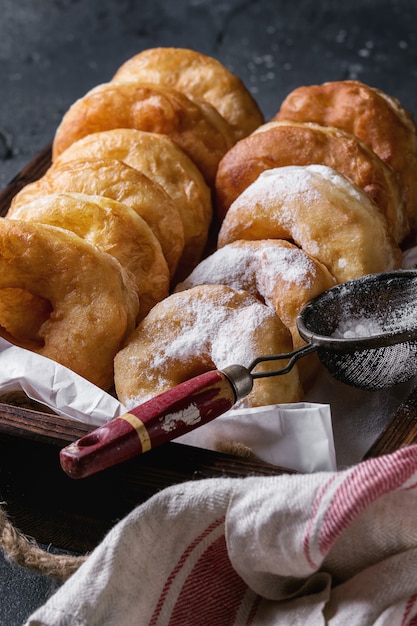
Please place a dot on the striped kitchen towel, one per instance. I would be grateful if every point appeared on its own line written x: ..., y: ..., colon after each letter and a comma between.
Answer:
x: 337, y: 548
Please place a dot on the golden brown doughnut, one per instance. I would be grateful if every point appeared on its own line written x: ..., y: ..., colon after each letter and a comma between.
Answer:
x: 23, y: 313
x: 378, y: 119
x: 90, y: 301
x: 322, y: 212
x: 114, y: 228
x: 115, y: 180
x: 159, y: 158
x: 199, y: 77
x: 196, y: 128
x: 278, y: 144
x: 200, y: 329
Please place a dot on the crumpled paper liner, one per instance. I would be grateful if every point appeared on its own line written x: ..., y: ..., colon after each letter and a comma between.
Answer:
x: 54, y: 386
x: 297, y: 436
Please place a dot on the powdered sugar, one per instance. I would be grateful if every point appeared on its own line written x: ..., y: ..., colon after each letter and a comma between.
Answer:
x: 322, y: 211
x: 226, y: 332
x: 291, y: 264
x: 355, y: 328
x: 246, y: 266
x: 302, y: 181
x: 281, y: 183
x: 376, y: 315
x: 288, y: 180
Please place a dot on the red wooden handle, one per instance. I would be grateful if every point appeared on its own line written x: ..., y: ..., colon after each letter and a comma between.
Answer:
x: 167, y: 416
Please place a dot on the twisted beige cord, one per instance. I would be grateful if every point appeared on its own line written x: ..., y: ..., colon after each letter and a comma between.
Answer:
x: 27, y: 553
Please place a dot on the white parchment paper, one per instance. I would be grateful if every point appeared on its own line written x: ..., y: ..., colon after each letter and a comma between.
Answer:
x: 296, y: 436
x: 55, y: 386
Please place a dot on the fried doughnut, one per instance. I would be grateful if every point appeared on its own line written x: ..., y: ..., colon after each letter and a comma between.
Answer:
x: 114, y: 228
x: 273, y: 270
x: 89, y: 301
x: 159, y: 158
x: 276, y: 272
x: 278, y: 144
x: 378, y: 119
x: 199, y: 77
x: 199, y: 329
x: 196, y: 128
x: 116, y: 180
x: 322, y: 212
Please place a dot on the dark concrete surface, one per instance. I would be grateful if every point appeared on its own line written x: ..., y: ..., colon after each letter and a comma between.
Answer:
x: 53, y: 51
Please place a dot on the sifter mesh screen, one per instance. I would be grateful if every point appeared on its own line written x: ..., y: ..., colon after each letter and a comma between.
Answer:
x: 375, y: 368
x: 365, y: 330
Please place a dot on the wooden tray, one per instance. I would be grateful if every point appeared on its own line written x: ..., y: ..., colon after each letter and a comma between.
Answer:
x: 43, y: 502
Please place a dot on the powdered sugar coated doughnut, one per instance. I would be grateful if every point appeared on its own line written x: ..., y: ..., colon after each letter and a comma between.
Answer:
x: 379, y: 120
x: 272, y: 270
x: 199, y: 329
x: 320, y: 210
x: 280, y: 144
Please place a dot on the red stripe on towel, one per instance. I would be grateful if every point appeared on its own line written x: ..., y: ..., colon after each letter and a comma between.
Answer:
x: 363, y: 485
x: 180, y: 564
x: 408, y: 609
x: 211, y: 591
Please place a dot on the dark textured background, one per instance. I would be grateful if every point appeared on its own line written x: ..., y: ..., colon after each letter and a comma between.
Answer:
x: 53, y: 51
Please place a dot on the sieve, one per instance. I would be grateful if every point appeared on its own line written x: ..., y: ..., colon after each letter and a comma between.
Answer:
x: 364, y: 332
